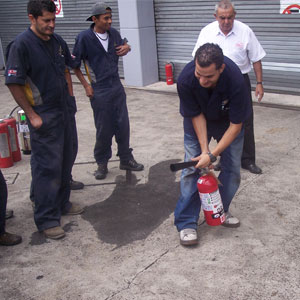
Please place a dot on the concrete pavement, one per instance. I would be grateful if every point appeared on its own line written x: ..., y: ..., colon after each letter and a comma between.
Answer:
x: 125, y: 245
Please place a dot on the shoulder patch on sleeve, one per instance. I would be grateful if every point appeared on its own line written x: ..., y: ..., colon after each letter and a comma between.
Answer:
x: 12, y: 72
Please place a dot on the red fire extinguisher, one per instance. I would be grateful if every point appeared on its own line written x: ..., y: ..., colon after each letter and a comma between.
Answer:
x: 169, y: 67
x: 6, y: 159
x: 13, y: 138
x: 211, y: 199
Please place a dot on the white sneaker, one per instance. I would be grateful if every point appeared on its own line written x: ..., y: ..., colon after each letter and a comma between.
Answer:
x: 231, y: 221
x: 188, y: 236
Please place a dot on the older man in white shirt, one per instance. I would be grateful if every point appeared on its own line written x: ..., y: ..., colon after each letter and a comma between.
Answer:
x: 240, y: 44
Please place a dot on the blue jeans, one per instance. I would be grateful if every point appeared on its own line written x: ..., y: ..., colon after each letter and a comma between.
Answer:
x: 188, y: 206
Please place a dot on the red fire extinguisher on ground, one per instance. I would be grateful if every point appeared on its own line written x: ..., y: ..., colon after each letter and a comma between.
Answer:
x: 169, y: 67
x: 13, y: 137
x: 211, y: 201
x: 6, y: 159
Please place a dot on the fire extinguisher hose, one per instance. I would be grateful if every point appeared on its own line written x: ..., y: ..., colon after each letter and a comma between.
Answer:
x: 13, y: 110
x: 180, y: 166
x: 187, y: 164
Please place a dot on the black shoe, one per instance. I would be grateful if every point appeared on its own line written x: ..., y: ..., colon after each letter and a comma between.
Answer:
x: 9, y: 239
x: 101, y: 172
x: 131, y: 165
x: 9, y: 213
x: 76, y: 185
x: 217, y: 167
x: 253, y: 168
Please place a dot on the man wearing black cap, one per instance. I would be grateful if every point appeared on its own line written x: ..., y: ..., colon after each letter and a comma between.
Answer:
x: 99, y: 47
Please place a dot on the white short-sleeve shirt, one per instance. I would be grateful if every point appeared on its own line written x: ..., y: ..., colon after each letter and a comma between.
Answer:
x: 240, y: 44
x: 103, y: 39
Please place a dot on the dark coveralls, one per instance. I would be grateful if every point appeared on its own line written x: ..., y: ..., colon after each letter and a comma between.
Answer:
x: 248, y: 156
x: 109, y: 101
x: 39, y: 66
x: 3, y: 202
x: 72, y: 109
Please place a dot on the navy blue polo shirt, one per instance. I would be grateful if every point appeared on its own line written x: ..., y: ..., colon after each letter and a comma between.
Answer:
x: 40, y: 68
x: 227, y: 102
x: 101, y: 66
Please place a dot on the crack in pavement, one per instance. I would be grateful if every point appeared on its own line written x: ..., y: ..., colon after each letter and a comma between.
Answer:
x: 130, y: 282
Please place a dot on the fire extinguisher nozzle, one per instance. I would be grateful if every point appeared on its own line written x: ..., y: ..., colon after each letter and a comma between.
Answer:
x: 180, y: 166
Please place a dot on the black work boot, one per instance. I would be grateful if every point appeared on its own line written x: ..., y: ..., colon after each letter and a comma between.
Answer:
x: 76, y: 185
x: 101, y: 172
x: 131, y: 165
x: 9, y: 239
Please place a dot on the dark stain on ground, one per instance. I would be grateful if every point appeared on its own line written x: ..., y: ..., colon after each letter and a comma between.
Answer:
x: 134, y: 210
x: 68, y: 227
x: 37, y: 238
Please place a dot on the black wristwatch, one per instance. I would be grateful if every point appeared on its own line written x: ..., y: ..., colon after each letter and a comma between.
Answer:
x: 211, y: 157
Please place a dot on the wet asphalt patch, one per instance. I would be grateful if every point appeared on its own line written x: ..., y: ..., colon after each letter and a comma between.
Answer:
x: 134, y: 210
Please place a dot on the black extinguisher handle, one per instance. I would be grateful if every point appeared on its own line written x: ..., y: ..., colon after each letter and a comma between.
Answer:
x: 180, y: 166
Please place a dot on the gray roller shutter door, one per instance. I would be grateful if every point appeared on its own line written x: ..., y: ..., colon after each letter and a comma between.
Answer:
x: 178, y: 24
x: 14, y: 20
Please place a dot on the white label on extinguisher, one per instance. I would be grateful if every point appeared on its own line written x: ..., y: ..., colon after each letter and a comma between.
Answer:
x: 23, y: 128
x: 212, y: 201
x: 12, y: 139
x: 4, y: 149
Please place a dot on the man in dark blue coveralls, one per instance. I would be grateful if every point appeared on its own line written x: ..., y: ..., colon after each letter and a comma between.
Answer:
x: 35, y: 75
x: 100, y: 47
x: 214, y: 103
x: 72, y: 108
